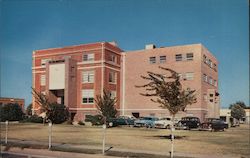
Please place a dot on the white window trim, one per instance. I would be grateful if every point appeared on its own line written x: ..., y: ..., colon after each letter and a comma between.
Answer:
x: 43, y: 80
x: 188, y: 78
x: 88, y: 57
x: 115, y: 77
x: 88, y: 72
x: 88, y: 96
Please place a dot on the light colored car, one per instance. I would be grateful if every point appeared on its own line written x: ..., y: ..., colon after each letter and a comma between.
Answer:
x: 148, y: 122
x: 164, y: 122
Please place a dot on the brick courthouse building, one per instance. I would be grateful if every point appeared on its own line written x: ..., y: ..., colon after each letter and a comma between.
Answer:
x: 74, y: 75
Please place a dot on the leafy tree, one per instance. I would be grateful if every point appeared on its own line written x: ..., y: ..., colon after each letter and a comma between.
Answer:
x: 11, y: 112
x: 58, y: 113
x: 29, y: 109
x: 168, y: 92
x: 106, y: 105
x: 237, y: 112
x: 241, y: 103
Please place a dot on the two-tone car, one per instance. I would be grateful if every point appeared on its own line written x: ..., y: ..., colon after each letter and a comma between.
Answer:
x: 164, y: 122
x: 148, y: 122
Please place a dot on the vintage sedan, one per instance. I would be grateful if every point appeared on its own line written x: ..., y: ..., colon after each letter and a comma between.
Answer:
x: 121, y: 120
x: 148, y: 122
x: 188, y: 123
x: 164, y: 122
x: 214, y: 124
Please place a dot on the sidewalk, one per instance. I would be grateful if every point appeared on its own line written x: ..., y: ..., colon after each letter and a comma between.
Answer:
x: 72, y: 150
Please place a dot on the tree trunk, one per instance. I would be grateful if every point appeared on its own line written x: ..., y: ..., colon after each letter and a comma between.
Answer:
x: 104, y: 135
x: 172, y: 137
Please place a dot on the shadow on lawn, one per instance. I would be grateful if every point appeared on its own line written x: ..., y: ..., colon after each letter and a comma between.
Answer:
x: 169, y: 137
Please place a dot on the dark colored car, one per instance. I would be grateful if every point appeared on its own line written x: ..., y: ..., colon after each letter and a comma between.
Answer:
x: 214, y: 124
x: 121, y: 120
x: 188, y: 123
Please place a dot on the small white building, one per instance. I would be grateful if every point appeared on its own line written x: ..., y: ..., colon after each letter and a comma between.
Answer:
x: 225, y: 114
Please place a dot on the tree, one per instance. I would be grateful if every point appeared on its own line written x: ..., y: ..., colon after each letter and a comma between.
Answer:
x: 43, y: 102
x: 54, y: 112
x: 106, y: 105
x: 58, y: 113
x: 29, y: 109
x: 241, y: 103
x: 167, y: 91
x: 237, y: 112
x: 11, y: 112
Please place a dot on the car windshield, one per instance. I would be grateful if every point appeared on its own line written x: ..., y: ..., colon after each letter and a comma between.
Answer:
x: 190, y: 119
x: 165, y: 119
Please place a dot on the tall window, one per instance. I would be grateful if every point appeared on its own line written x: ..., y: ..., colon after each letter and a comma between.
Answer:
x: 152, y: 60
x: 88, y: 96
x: 162, y: 59
x: 215, y: 83
x: 205, y: 77
x: 88, y: 77
x: 210, y: 80
x: 178, y: 57
x: 43, y: 80
x: 113, y: 94
x: 88, y: 57
x: 113, y: 58
x: 112, y: 77
x: 189, y: 56
x: 204, y: 58
x: 189, y: 76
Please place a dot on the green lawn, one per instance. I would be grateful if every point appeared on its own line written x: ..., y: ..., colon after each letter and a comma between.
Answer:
x: 234, y: 141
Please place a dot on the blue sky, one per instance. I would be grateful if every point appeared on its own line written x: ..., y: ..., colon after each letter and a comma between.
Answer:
x: 221, y: 25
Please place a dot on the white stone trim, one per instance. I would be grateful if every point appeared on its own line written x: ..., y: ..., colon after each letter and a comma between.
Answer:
x: 102, y: 76
x: 38, y: 67
x: 88, y: 67
x: 36, y: 72
x: 69, y: 52
x: 89, y: 62
x: 123, y: 83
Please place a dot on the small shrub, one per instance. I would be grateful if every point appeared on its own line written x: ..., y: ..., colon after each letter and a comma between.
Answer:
x: 35, y: 119
x: 94, y: 119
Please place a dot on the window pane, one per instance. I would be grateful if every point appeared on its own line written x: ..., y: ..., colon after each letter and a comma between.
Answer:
x: 178, y: 57
x: 88, y: 57
x: 162, y: 59
x: 88, y: 77
x: 88, y: 96
x: 152, y: 60
x: 190, y: 56
x: 43, y: 80
x: 189, y: 76
x: 112, y: 77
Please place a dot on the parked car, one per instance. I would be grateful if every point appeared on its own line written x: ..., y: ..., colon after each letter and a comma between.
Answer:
x: 121, y: 120
x: 214, y: 124
x: 188, y: 123
x: 164, y: 122
x: 148, y: 122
